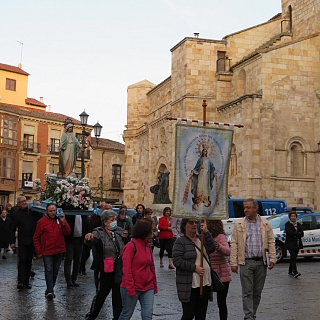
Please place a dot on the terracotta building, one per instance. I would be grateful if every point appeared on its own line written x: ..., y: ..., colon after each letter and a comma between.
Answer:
x: 267, y: 78
x: 30, y: 138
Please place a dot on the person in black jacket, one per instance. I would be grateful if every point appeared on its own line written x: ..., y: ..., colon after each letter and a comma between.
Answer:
x: 25, y: 220
x: 293, y: 243
x: 74, y: 243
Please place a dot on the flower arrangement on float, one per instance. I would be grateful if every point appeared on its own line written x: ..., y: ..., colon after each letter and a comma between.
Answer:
x: 70, y: 193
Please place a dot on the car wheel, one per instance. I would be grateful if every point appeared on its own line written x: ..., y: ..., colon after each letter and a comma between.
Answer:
x: 279, y: 251
x: 309, y: 258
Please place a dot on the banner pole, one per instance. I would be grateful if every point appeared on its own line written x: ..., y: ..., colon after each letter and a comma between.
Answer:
x: 204, y: 116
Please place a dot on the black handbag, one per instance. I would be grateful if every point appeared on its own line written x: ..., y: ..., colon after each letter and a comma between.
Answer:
x: 216, y: 282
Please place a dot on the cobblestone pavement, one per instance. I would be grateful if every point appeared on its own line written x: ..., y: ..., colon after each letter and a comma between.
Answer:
x: 283, y: 298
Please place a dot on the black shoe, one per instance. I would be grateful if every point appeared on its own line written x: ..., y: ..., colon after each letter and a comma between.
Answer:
x: 75, y: 284
x: 27, y: 286
x: 69, y: 285
x: 290, y: 274
x: 4, y: 257
x: 297, y: 274
x: 32, y: 274
x: 49, y: 296
x: 20, y: 286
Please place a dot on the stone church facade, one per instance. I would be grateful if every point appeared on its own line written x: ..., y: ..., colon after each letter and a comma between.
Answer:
x: 267, y: 78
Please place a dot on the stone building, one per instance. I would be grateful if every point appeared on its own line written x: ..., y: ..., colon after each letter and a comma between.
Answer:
x: 106, y: 170
x: 267, y: 78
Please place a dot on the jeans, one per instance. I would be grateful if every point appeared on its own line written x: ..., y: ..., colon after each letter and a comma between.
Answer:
x: 129, y: 303
x: 197, y: 306
x: 51, y: 270
x: 73, y: 253
x: 252, y: 276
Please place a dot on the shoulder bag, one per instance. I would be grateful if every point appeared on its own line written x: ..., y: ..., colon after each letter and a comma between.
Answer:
x: 217, y: 284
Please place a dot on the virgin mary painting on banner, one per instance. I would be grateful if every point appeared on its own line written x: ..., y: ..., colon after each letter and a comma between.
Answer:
x: 201, y: 172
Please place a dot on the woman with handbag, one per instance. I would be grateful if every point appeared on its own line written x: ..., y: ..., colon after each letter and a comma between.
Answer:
x: 219, y: 263
x: 186, y: 258
x: 293, y: 243
x: 139, y: 280
x: 109, y: 241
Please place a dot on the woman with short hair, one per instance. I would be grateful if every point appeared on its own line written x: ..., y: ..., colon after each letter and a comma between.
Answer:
x: 187, y: 260
x: 109, y: 242
x: 166, y: 236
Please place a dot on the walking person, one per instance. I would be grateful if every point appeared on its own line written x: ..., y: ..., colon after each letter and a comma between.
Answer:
x: 139, y: 280
x: 4, y: 233
x: 252, y: 245
x: 219, y: 263
x: 293, y: 242
x: 187, y: 260
x: 24, y: 220
x: 166, y: 236
x: 74, y: 244
x: 50, y: 245
x: 109, y: 241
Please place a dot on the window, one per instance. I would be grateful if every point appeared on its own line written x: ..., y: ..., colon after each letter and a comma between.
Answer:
x: 8, y: 130
x: 28, y: 141
x: 54, y: 145
x: 116, y: 176
x: 221, y: 61
x: 7, y: 164
x: 297, y: 160
x: 10, y: 84
x: 306, y: 223
x: 54, y: 168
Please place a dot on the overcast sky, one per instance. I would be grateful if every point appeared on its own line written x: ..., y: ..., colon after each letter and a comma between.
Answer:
x: 83, y: 54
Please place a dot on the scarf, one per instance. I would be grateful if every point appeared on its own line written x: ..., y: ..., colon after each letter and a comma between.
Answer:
x: 295, y: 224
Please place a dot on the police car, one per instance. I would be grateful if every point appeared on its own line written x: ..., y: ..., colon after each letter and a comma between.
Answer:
x: 310, y: 223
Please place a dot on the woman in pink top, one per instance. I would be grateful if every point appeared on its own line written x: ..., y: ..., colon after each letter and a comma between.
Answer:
x: 219, y: 263
x: 139, y: 277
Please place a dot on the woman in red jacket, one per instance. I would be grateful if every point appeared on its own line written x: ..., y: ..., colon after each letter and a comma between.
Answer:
x: 165, y: 236
x: 219, y: 263
x: 139, y: 280
x: 50, y: 245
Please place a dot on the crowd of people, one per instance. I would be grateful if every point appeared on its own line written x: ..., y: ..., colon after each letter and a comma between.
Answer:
x: 122, y: 250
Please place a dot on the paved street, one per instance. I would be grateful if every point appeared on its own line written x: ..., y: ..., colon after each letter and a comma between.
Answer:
x: 284, y: 298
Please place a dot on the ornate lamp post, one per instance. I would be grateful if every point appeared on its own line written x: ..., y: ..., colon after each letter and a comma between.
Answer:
x: 84, y: 135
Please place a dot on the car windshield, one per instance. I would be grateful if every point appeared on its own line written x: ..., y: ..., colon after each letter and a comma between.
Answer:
x: 278, y: 221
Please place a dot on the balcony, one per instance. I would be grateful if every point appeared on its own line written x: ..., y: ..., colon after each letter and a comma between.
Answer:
x: 30, y: 147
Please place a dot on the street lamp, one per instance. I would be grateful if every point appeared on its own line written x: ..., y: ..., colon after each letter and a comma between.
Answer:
x: 84, y: 135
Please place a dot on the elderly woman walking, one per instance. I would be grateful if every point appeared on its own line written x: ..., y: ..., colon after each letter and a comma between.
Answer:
x: 109, y: 241
x: 187, y: 260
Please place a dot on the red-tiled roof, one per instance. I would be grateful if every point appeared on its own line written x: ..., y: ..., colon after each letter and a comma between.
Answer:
x: 108, y: 144
x: 9, y: 68
x: 35, y: 113
x: 34, y: 102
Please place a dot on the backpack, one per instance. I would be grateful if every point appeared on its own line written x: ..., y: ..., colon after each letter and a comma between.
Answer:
x: 119, y: 273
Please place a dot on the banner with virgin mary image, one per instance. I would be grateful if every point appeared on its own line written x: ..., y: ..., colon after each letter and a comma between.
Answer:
x: 202, y: 157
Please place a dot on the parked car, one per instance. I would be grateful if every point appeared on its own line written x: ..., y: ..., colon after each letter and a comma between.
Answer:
x: 310, y: 223
x: 298, y: 209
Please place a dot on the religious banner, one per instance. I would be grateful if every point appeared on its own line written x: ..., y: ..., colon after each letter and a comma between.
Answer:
x: 201, y: 172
